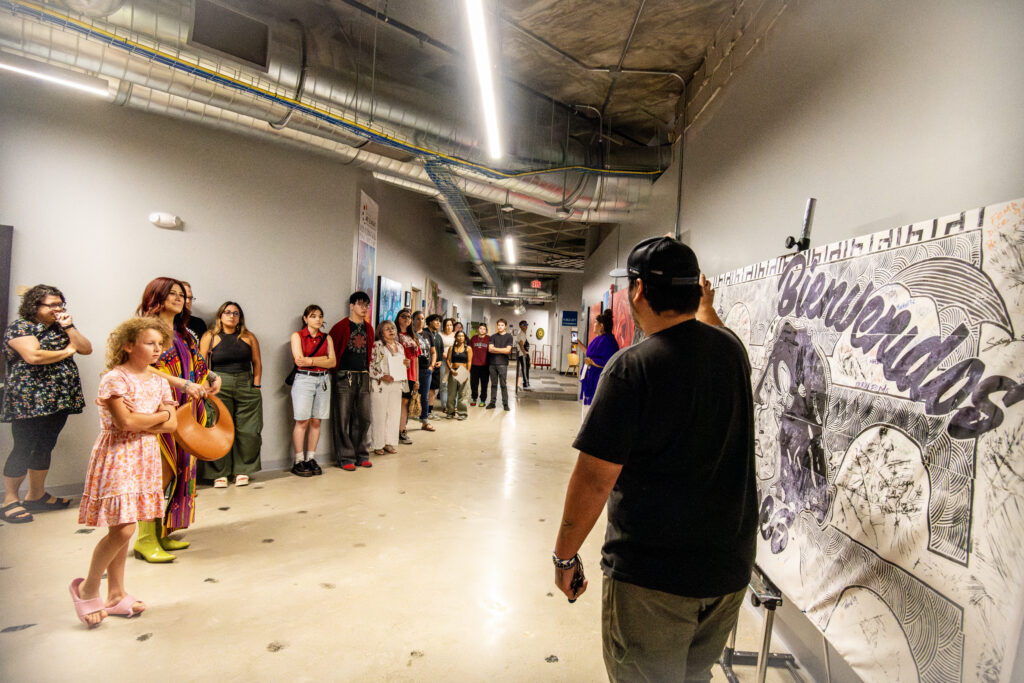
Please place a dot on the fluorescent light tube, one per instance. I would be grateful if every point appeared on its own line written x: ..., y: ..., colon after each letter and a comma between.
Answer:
x: 481, y: 55
x: 53, y: 74
x: 510, y: 249
x: 515, y: 287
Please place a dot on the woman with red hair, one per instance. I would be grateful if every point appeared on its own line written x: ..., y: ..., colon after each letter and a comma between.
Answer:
x: 186, y: 371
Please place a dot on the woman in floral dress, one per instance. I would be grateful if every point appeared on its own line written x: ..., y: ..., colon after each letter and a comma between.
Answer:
x: 42, y: 388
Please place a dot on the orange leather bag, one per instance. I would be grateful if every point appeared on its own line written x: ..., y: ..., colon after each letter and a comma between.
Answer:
x: 205, y: 443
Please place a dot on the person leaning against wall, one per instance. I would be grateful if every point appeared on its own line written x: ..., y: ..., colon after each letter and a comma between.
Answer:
x: 677, y: 476
x: 350, y: 399
x: 410, y: 345
x: 313, y: 354
x: 233, y: 352
x: 42, y: 388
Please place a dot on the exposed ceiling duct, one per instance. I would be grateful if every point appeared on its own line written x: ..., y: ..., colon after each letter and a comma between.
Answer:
x: 146, y: 43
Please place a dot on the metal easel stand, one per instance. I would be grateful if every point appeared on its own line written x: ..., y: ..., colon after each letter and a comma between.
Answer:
x: 763, y: 593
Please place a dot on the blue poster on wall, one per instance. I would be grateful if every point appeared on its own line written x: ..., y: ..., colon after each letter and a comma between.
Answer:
x: 570, y: 318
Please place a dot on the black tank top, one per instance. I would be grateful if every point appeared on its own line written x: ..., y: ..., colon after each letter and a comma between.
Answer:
x: 231, y: 354
x: 458, y: 357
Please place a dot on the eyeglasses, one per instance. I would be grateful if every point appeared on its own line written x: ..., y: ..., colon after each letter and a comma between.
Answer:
x: 232, y: 314
x: 55, y: 307
x: 190, y: 299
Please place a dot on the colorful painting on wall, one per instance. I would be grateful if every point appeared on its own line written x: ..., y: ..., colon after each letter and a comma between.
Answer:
x: 622, y: 321
x: 593, y: 312
x: 389, y: 299
x: 432, y: 298
x: 888, y: 378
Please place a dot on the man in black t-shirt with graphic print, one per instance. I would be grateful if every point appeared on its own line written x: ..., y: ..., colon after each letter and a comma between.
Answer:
x: 669, y: 445
x: 498, y: 351
x: 350, y: 398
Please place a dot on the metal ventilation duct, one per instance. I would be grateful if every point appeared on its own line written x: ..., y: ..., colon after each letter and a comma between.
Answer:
x: 145, y: 45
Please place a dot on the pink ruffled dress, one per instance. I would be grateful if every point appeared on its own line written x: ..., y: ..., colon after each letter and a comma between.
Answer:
x: 123, y: 483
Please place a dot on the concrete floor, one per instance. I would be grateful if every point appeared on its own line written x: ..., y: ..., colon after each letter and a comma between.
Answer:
x: 433, y: 565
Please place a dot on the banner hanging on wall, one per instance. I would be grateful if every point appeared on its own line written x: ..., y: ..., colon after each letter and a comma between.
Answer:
x: 888, y: 377
x: 366, y: 248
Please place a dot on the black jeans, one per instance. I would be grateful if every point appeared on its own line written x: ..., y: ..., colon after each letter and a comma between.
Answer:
x: 34, y: 439
x: 350, y: 416
x: 523, y: 363
x: 498, y: 375
x: 478, y: 375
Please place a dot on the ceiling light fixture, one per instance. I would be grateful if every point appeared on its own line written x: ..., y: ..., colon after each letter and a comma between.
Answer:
x: 53, y: 74
x: 563, y: 213
x: 515, y: 286
x: 481, y: 55
x: 510, y: 249
x: 507, y: 206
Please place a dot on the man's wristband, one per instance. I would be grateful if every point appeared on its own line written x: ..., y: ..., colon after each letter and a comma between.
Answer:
x: 565, y: 564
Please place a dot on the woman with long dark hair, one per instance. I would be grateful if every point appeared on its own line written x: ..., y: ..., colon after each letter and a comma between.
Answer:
x: 186, y: 371
x: 42, y: 388
x: 233, y: 353
x: 407, y: 338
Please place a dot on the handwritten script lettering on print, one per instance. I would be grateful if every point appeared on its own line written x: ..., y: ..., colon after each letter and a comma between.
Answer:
x: 888, y: 373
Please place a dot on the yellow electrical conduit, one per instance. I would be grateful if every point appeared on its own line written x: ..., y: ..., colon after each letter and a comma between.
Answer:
x: 46, y: 14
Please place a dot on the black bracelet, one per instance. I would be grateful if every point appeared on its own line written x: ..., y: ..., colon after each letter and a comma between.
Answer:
x: 256, y: 386
x: 68, y: 327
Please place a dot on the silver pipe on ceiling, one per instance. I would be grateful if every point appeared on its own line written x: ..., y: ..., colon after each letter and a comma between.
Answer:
x: 164, y: 26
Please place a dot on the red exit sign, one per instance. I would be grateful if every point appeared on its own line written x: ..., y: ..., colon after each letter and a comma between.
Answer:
x: 535, y: 284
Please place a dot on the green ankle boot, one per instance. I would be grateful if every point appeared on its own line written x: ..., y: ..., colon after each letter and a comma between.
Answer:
x: 147, y: 547
x: 168, y: 543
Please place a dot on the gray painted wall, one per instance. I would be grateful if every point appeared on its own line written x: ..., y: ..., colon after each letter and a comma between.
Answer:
x: 887, y: 112
x: 266, y: 225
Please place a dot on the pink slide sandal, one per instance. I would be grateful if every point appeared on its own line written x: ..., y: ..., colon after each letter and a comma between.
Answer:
x: 124, y: 608
x: 84, y: 608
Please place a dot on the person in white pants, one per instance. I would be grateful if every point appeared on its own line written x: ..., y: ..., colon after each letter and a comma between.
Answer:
x: 386, y: 387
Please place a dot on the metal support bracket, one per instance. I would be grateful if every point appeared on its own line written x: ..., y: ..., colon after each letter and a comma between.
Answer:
x: 763, y: 593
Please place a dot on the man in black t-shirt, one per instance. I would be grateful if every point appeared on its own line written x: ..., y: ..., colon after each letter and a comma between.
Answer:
x: 498, y: 351
x: 669, y: 444
x: 350, y: 398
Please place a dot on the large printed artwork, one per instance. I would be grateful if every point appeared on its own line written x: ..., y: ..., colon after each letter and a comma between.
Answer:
x: 888, y: 377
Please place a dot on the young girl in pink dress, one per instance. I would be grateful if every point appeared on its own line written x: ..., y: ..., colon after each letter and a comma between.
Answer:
x: 123, y: 483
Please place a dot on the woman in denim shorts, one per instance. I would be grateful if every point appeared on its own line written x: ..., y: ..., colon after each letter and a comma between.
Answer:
x: 313, y: 353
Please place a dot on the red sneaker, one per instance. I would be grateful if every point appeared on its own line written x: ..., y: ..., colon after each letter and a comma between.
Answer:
x: 348, y: 467
x: 365, y: 463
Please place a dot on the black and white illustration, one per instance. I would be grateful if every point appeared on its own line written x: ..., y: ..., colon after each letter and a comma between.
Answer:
x: 888, y: 378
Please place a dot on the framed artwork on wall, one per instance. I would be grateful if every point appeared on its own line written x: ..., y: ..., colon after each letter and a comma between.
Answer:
x: 389, y: 299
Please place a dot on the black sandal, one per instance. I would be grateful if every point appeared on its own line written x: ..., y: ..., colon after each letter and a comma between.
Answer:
x: 43, y: 503
x: 15, y: 517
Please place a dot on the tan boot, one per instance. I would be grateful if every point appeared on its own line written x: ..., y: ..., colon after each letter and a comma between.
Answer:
x: 147, y: 547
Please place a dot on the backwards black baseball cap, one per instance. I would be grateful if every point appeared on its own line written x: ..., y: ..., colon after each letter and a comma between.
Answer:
x: 663, y: 261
